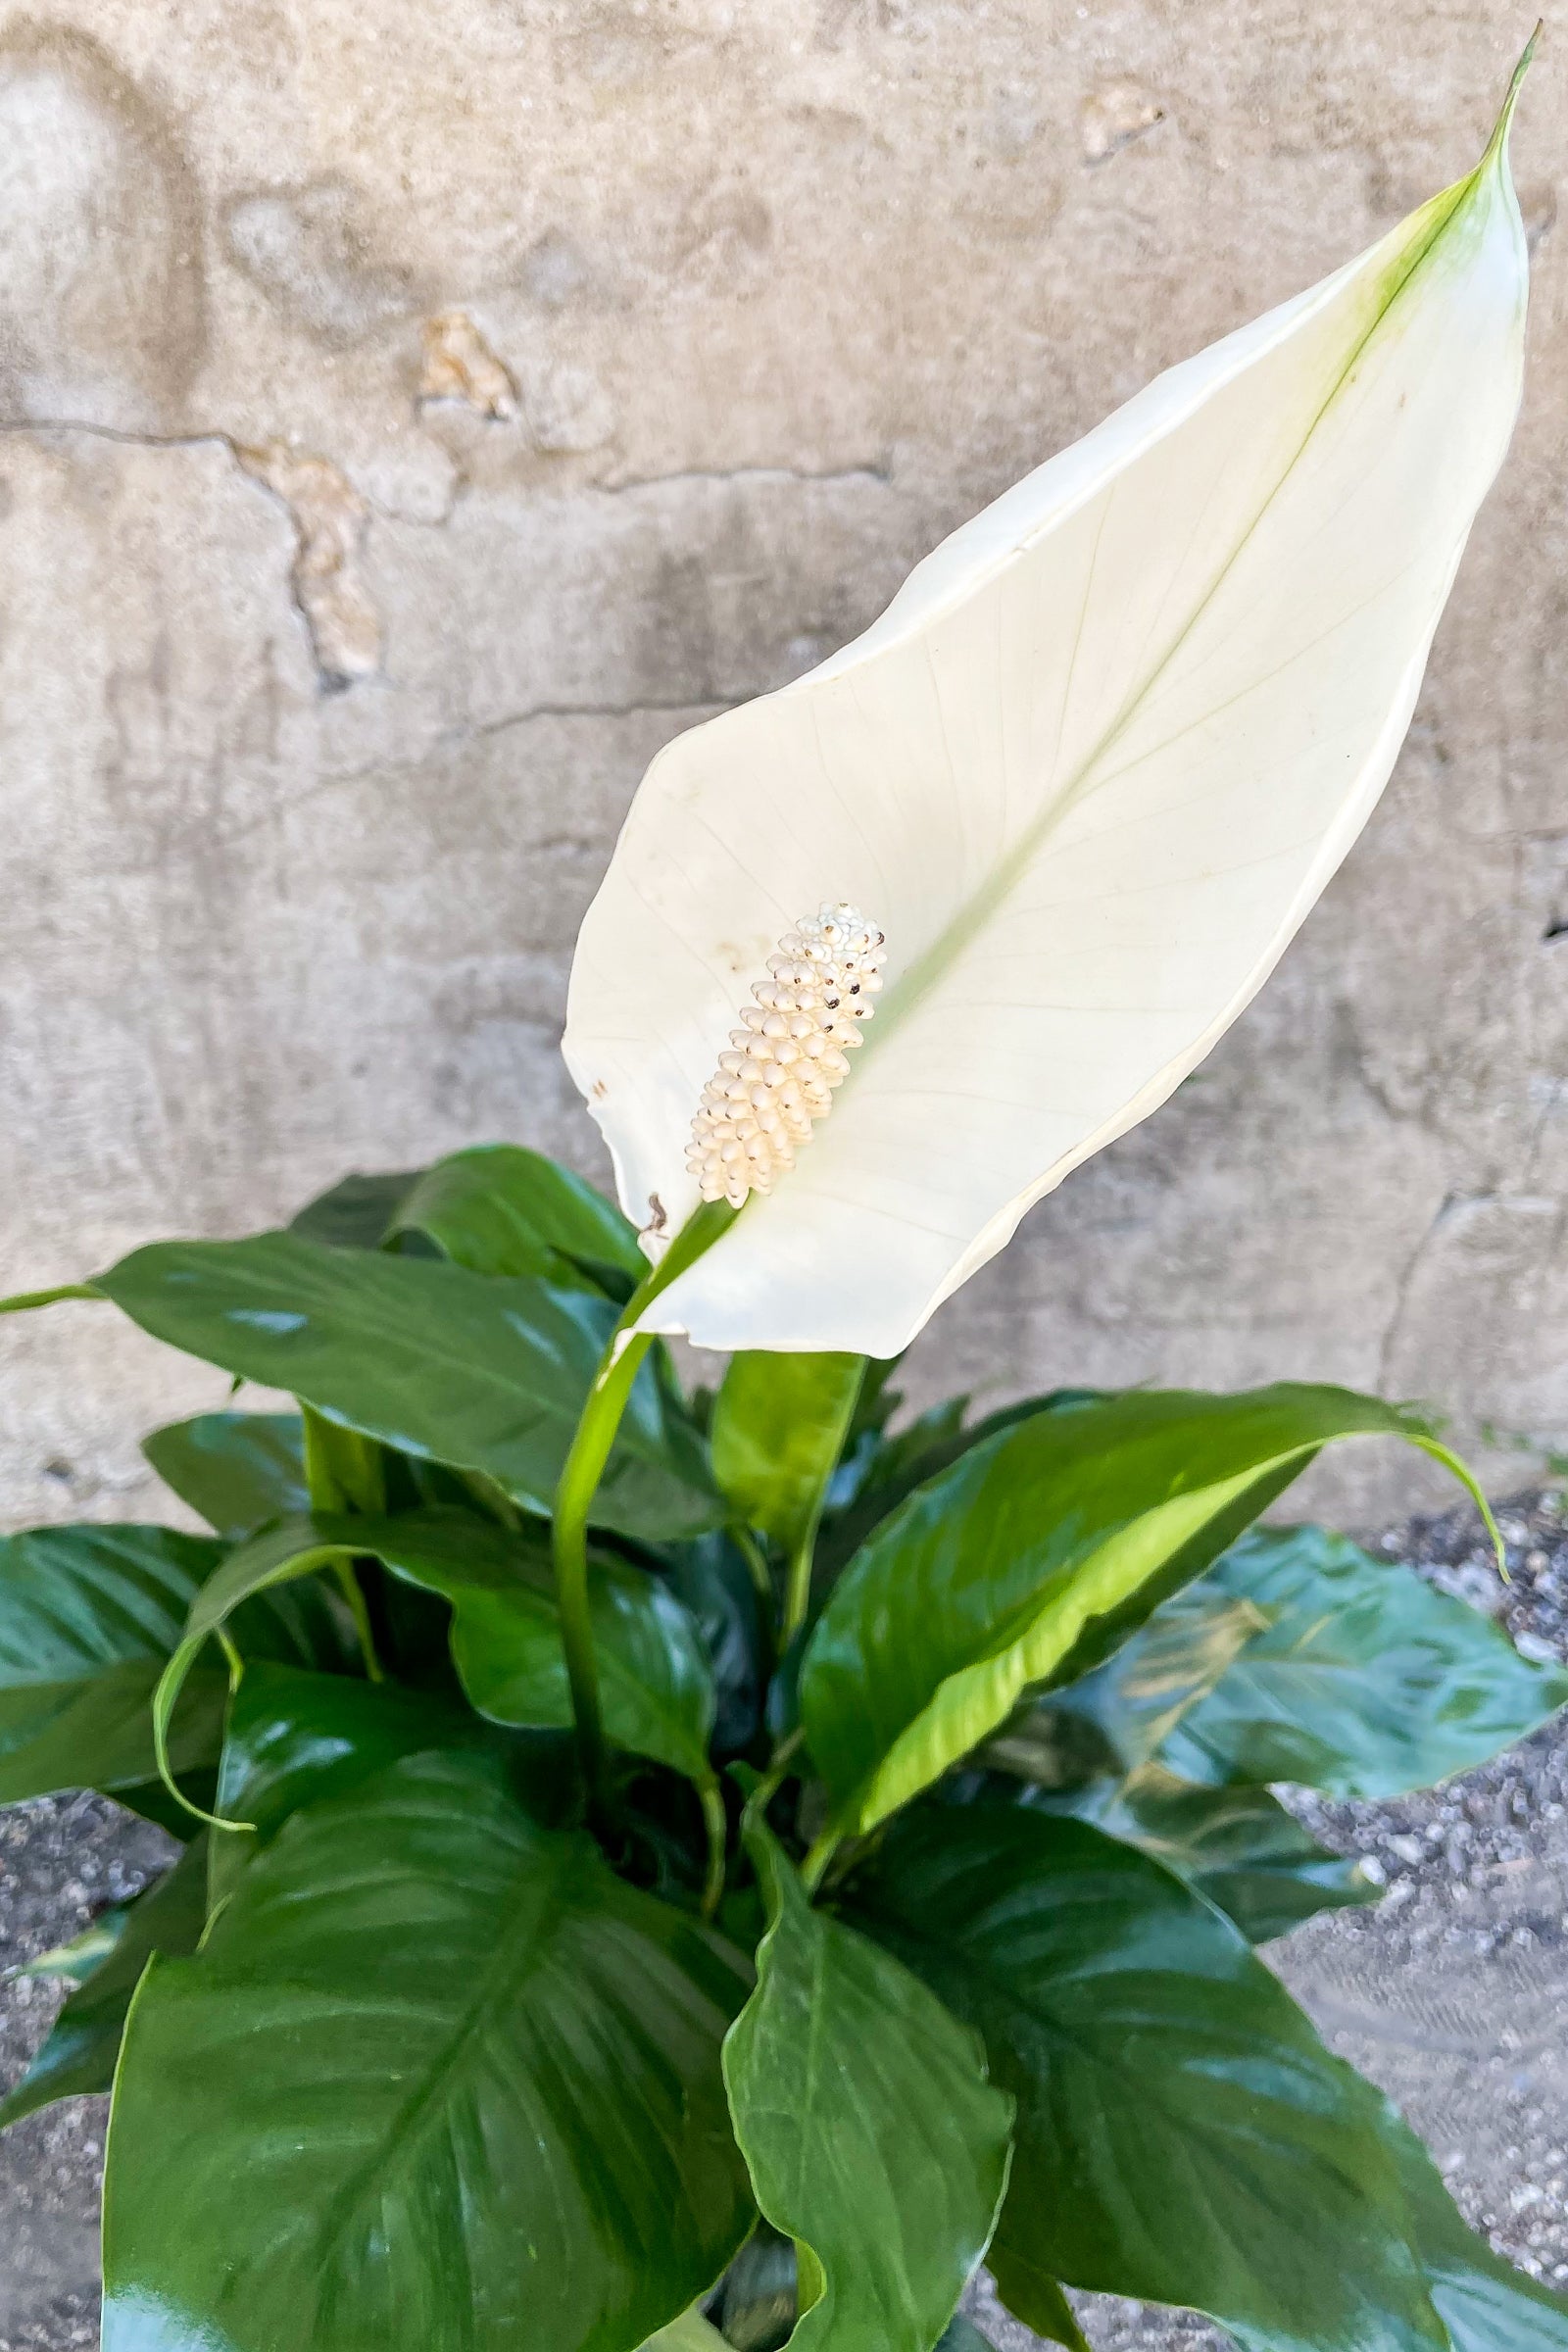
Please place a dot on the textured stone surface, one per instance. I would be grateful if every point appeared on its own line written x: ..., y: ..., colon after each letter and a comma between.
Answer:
x: 324, y: 678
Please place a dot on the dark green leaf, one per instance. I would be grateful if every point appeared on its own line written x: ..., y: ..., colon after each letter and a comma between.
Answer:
x: 1182, y: 2134
x: 154, y: 1803
x: 1031, y: 1557
x: 432, y: 1359
x: 436, y: 2078
x: 778, y: 1426
x: 502, y: 1211
x: 1487, y: 2305
x: 871, y: 2134
x: 295, y: 1738
x: 887, y: 1466
x: 358, y: 1211
x: 1363, y: 1681
x: 1134, y: 1701
x: 1239, y: 1846
x: 81, y: 2051
x: 238, y: 1470
x: 89, y: 1617
x: 654, y: 1683
x: 714, y: 1584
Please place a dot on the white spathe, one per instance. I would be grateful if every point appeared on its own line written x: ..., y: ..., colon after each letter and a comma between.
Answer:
x: 1089, y: 772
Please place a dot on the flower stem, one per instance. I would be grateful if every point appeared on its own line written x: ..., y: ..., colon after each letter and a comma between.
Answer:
x: 751, y: 1552
x: 716, y: 1823
x: 584, y: 1465
x: 579, y: 1482
x: 798, y: 1586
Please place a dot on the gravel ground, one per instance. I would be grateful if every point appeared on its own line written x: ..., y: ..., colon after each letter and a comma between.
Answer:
x: 1453, y: 1993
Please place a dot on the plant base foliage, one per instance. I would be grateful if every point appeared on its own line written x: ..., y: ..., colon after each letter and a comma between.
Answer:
x: 901, y: 1918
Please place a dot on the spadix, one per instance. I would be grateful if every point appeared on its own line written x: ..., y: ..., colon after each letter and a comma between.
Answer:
x: 1090, y: 769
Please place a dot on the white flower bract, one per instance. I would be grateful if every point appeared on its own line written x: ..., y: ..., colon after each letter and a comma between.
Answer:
x: 1092, y: 769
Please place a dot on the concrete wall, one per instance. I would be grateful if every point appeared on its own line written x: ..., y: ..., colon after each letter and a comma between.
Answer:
x: 412, y: 417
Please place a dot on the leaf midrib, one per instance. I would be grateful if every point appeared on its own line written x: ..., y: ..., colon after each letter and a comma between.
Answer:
x: 500, y: 1982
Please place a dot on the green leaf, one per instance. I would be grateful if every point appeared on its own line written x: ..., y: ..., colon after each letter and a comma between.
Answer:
x: 1031, y: 1559
x: 82, y: 2048
x: 1182, y: 2135
x: 1363, y: 1681
x: 1128, y: 1707
x: 870, y: 2131
x: 72, y: 1964
x: 779, y: 1426
x: 1239, y: 1846
x: 238, y: 1470
x: 89, y: 1617
x: 357, y: 1213
x: 486, y: 1375
x: 499, y: 1210
x: 284, y: 1552
x: 887, y: 1467
x: 295, y: 1738
x: 438, y: 2078
x: 654, y: 1683
x: 691, y: 2332
x: 1485, y: 2304
x: 713, y: 1583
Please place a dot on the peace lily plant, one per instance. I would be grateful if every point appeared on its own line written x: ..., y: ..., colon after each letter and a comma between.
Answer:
x: 716, y: 1867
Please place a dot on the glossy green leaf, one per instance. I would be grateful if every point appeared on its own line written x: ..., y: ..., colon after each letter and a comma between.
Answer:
x: 89, y: 1617
x: 779, y: 1425
x: 871, y: 2134
x: 1032, y: 1558
x: 439, y: 1362
x: 656, y: 1687
x: 1182, y: 2135
x: 284, y: 1552
x: 79, y: 2054
x: 499, y: 1209
x: 1485, y: 2304
x: 295, y: 1738
x: 716, y: 1585
x: 1363, y: 1679
x: 1134, y: 1701
x: 356, y: 1212
x: 436, y: 2078
x: 238, y: 1470
x: 1239, y: 1846
x: 893, y: 1464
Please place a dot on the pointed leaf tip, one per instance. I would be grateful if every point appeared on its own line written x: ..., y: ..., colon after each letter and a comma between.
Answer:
x: 1496, y: 149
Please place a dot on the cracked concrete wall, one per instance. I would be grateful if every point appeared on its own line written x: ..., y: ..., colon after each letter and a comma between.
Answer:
x: 409, y: 420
